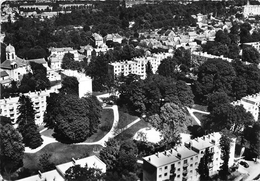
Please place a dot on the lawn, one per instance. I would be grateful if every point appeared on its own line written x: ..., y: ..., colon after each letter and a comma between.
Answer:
x: 61, y: 153
x: 47, y: 133
x: 200, y: 107
x: 125, y: 119
x: 130, y: 132
x: 200, y: 116
x: 106, y: 123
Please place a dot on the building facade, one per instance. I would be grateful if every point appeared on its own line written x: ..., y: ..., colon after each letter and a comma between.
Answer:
x: 251, y: 10
x: 137, y: 65
x: 251, y: 104
x: 9, y: 106
x: 180, y: 163
x: 199, y: 58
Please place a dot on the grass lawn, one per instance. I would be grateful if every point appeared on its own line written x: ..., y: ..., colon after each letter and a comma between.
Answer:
x: 47, y: 133
x: 106, y: 123
x: 200, y: 107
x: 200, y: 116
x: 130, y: 132
x: 61, y: 153
x: 125, y: 119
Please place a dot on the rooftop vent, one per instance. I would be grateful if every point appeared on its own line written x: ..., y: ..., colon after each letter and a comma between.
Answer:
x: 73, y: 160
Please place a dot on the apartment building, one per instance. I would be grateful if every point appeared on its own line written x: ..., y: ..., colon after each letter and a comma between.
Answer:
x: 180, y: 163
x: 251, y: 104
x: 59, y: 173
x: 199, y: 58
x: 85, y: 82
x: 57, y: 55
x: 251, y: 10
x: 9, y: 106
x: 137, y: 65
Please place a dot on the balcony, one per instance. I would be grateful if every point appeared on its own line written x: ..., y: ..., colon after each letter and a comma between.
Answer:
x: 185, y: 165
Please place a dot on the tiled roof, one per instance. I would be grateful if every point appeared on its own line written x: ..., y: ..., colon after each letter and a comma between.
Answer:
x: 4, y: 74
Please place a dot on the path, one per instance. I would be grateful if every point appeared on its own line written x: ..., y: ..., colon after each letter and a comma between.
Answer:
x: 191, y: 111
x: 111, y: 134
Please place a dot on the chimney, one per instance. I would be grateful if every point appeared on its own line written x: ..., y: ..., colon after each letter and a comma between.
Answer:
x: 40, y: 174
x: 165, y: 152
x: 179, y: 155
x: 157, y: 154
x: 149, y: 159
x: 73, y: 160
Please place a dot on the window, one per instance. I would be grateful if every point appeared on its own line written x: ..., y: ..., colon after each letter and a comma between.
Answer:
x: 191, y: 158
x: 179, y: 169
x: 160, y: 169
x: 197, y: 157
x: 165, y: 167
x: 191, y: 171
x: 160, y: 176
x: 196, y: 163
x: 201, y: 152
x: 178, y: 176
x: 165, y: 174
x: 191, y: 165
x: 185, y: 161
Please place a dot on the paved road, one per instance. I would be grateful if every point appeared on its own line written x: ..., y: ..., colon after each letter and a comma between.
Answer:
x: 191, y: 111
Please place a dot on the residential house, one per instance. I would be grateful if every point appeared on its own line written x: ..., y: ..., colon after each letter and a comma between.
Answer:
x: 98, y: 39
x: 251, y: 10
x: 256, y: 45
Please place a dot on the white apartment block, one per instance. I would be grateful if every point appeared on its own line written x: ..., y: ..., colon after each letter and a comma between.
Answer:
x: 180, y: 163
x: 85, y: 82
x: 137, y: 65
x: 9, y: 106
x: 251, y: 10
x: 57, y: 55
x: 199, y: 58
x: 251, y: 104
x: 256, y: 45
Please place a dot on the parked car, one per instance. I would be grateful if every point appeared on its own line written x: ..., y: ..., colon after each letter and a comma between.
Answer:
x: 244, y: 164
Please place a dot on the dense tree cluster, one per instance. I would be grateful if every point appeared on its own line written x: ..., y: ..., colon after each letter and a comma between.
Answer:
x: 11, y: 147
x: 147, y: 96
x: 26, y: 123
x: 120, y: 159
x: 225, y: 151
x: 234, y: 79
x: 73, y: 119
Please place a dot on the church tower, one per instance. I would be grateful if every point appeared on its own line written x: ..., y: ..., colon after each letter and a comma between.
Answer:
x: 10, y: 53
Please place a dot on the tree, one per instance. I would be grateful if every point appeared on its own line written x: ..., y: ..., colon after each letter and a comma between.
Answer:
x: 203, y: 168
x: 109, y: 154
x: 149, y: 69
x: 251, y: 55
x: 26, y: 123
x: 227, y: 116
x: 70, y: 85
x: 71, y: 117
x: 171, y: 121
x: 78, y: 173
x: 11, y: 148
x: 214, y: 75
x: 255, y: 140
x: 185, y: 93
x: 217, y: 98
x: 44, y: 162
x: 225, y: 151
x: 167, y: 67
